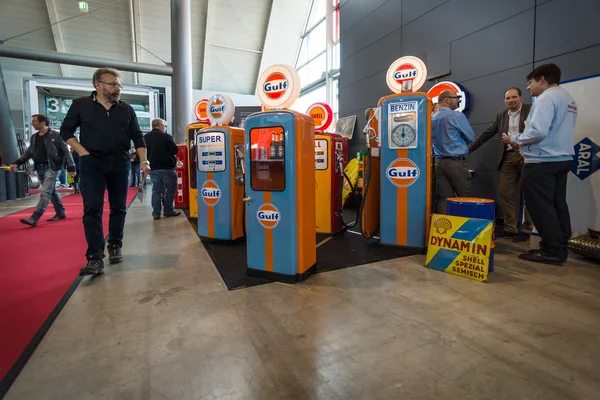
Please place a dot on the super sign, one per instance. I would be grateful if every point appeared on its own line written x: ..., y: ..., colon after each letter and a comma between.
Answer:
x: 402, y: 172
x: 211, y: 193
x: 268, y: 216
x: 275, y: 86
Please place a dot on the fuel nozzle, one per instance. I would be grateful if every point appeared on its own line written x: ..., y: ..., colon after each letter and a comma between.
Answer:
x: 368, y: 130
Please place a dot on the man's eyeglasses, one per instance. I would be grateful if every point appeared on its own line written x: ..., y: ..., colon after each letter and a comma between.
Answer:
x: 113, y: 84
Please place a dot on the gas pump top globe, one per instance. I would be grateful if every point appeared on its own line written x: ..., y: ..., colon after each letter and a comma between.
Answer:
x: 322, y: 114
x: 406, y: 74
x: 279, y: 86
x: 220, y: 109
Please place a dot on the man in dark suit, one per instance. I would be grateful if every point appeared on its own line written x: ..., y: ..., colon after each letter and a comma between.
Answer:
x: 510, y: 163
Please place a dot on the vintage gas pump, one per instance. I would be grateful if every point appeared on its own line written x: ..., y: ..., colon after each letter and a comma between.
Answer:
x: 182, y: 197
x: 280, y: 182
x: 406, y: 163
x: 329, y: 171
x: 220, y: 155
x: 191, y: 131
x: 370, y: 204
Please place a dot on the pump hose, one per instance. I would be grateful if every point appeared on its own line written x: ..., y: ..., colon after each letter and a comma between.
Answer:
x: 341, y: 208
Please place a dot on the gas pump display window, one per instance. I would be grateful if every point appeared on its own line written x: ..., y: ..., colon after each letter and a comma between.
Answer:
x: 267, y: 159
x: 402, y: 120
x: 210, y: 150
x: 321, y: 154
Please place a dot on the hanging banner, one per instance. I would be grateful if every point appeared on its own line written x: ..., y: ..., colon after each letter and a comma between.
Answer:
x: 460, y: 246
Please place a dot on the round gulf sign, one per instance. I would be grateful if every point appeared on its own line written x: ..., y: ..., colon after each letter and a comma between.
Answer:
x: 220, y: 109
x: 279, y: 86
x: 438, y: 88
x: 200, y: 111
x: 402, y: 172
x: 268, y: 215
x: 406, y: 70
x: 322, y: 114
x: 211, y: 193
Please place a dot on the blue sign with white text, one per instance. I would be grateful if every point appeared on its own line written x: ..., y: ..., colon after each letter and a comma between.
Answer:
x: 587, y: 158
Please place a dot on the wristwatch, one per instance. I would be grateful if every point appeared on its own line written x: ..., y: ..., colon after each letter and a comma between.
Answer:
x: 145, y: 162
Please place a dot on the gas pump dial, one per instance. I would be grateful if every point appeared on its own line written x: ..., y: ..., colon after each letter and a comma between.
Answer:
x: 403, y: 135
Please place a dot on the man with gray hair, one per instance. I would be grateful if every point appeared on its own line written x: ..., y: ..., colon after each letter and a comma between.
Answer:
x: 107, y: 127
x: 161, y: 153
x: 451, y: 133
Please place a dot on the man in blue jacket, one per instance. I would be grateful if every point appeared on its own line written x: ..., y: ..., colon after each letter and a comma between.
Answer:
x: 546, y: 145
x: 451, y: 134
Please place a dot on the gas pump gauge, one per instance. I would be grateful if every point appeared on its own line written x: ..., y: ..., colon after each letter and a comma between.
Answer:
x: 403, y: 135
x: 402, y: 129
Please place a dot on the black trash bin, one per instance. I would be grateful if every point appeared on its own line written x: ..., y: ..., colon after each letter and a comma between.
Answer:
x: 21, y: 178
x: 11, y: 185
x: 2, y: 186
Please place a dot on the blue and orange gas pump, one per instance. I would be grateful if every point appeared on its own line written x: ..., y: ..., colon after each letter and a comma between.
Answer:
x: 404, y: 137
x: 220, y: 182
x: 280, y: 182
x: 191, y: 131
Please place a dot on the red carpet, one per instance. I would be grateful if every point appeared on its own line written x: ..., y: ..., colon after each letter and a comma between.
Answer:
x: 37, y: 267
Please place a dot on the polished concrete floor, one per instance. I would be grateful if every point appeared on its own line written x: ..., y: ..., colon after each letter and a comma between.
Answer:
x: 162, y: 325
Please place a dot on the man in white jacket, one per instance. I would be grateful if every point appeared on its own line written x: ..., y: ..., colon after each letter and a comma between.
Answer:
x: 546, y: 145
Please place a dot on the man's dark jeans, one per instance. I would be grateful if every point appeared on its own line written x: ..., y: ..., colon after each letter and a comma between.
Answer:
x: 163, y: 179
x: 545, y: 189
x: 96, y: 177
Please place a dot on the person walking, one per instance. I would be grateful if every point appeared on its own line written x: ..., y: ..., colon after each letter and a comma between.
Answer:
x: 107, y: 127
x: 49, y: 153
x: 161, y: 153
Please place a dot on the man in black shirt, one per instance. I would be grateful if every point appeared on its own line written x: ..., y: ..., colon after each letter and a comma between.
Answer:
x: 107, y: 127
x: 161, y: 153
x: 49, y: 153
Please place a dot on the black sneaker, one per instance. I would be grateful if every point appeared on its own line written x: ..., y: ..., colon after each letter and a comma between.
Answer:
x: 521, y: 237
x: 93, y: 267
x: 57, y: 217
x: 504, y: 234
x: 540, y: 257
x: 174, y: 214
x: 114, y: 254
x: 29, y: 221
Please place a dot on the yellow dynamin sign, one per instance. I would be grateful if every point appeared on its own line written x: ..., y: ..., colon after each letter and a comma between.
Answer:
x: 460, y: 246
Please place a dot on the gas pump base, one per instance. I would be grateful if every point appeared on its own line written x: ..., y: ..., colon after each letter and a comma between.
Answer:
x: 279, y: 277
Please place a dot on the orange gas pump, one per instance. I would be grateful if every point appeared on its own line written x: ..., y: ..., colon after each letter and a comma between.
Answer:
x: 331, y: 155
x: 370, y: 205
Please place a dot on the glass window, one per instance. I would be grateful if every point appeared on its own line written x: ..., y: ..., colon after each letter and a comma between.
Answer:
x: 267, y: 156
x: 319, y: 10
x: 303, y: 55
x: 308, y: 99
x: 336, y: 56
x: 317, y: 40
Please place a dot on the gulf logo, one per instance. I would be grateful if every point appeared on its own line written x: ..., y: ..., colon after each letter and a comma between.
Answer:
x: 438, y: 88
x: 402, y: 172
x: 268, y: 216
x: 211, y: 193
x: 405, y: 72
x: 275, y: 85
x: 216, y: 109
